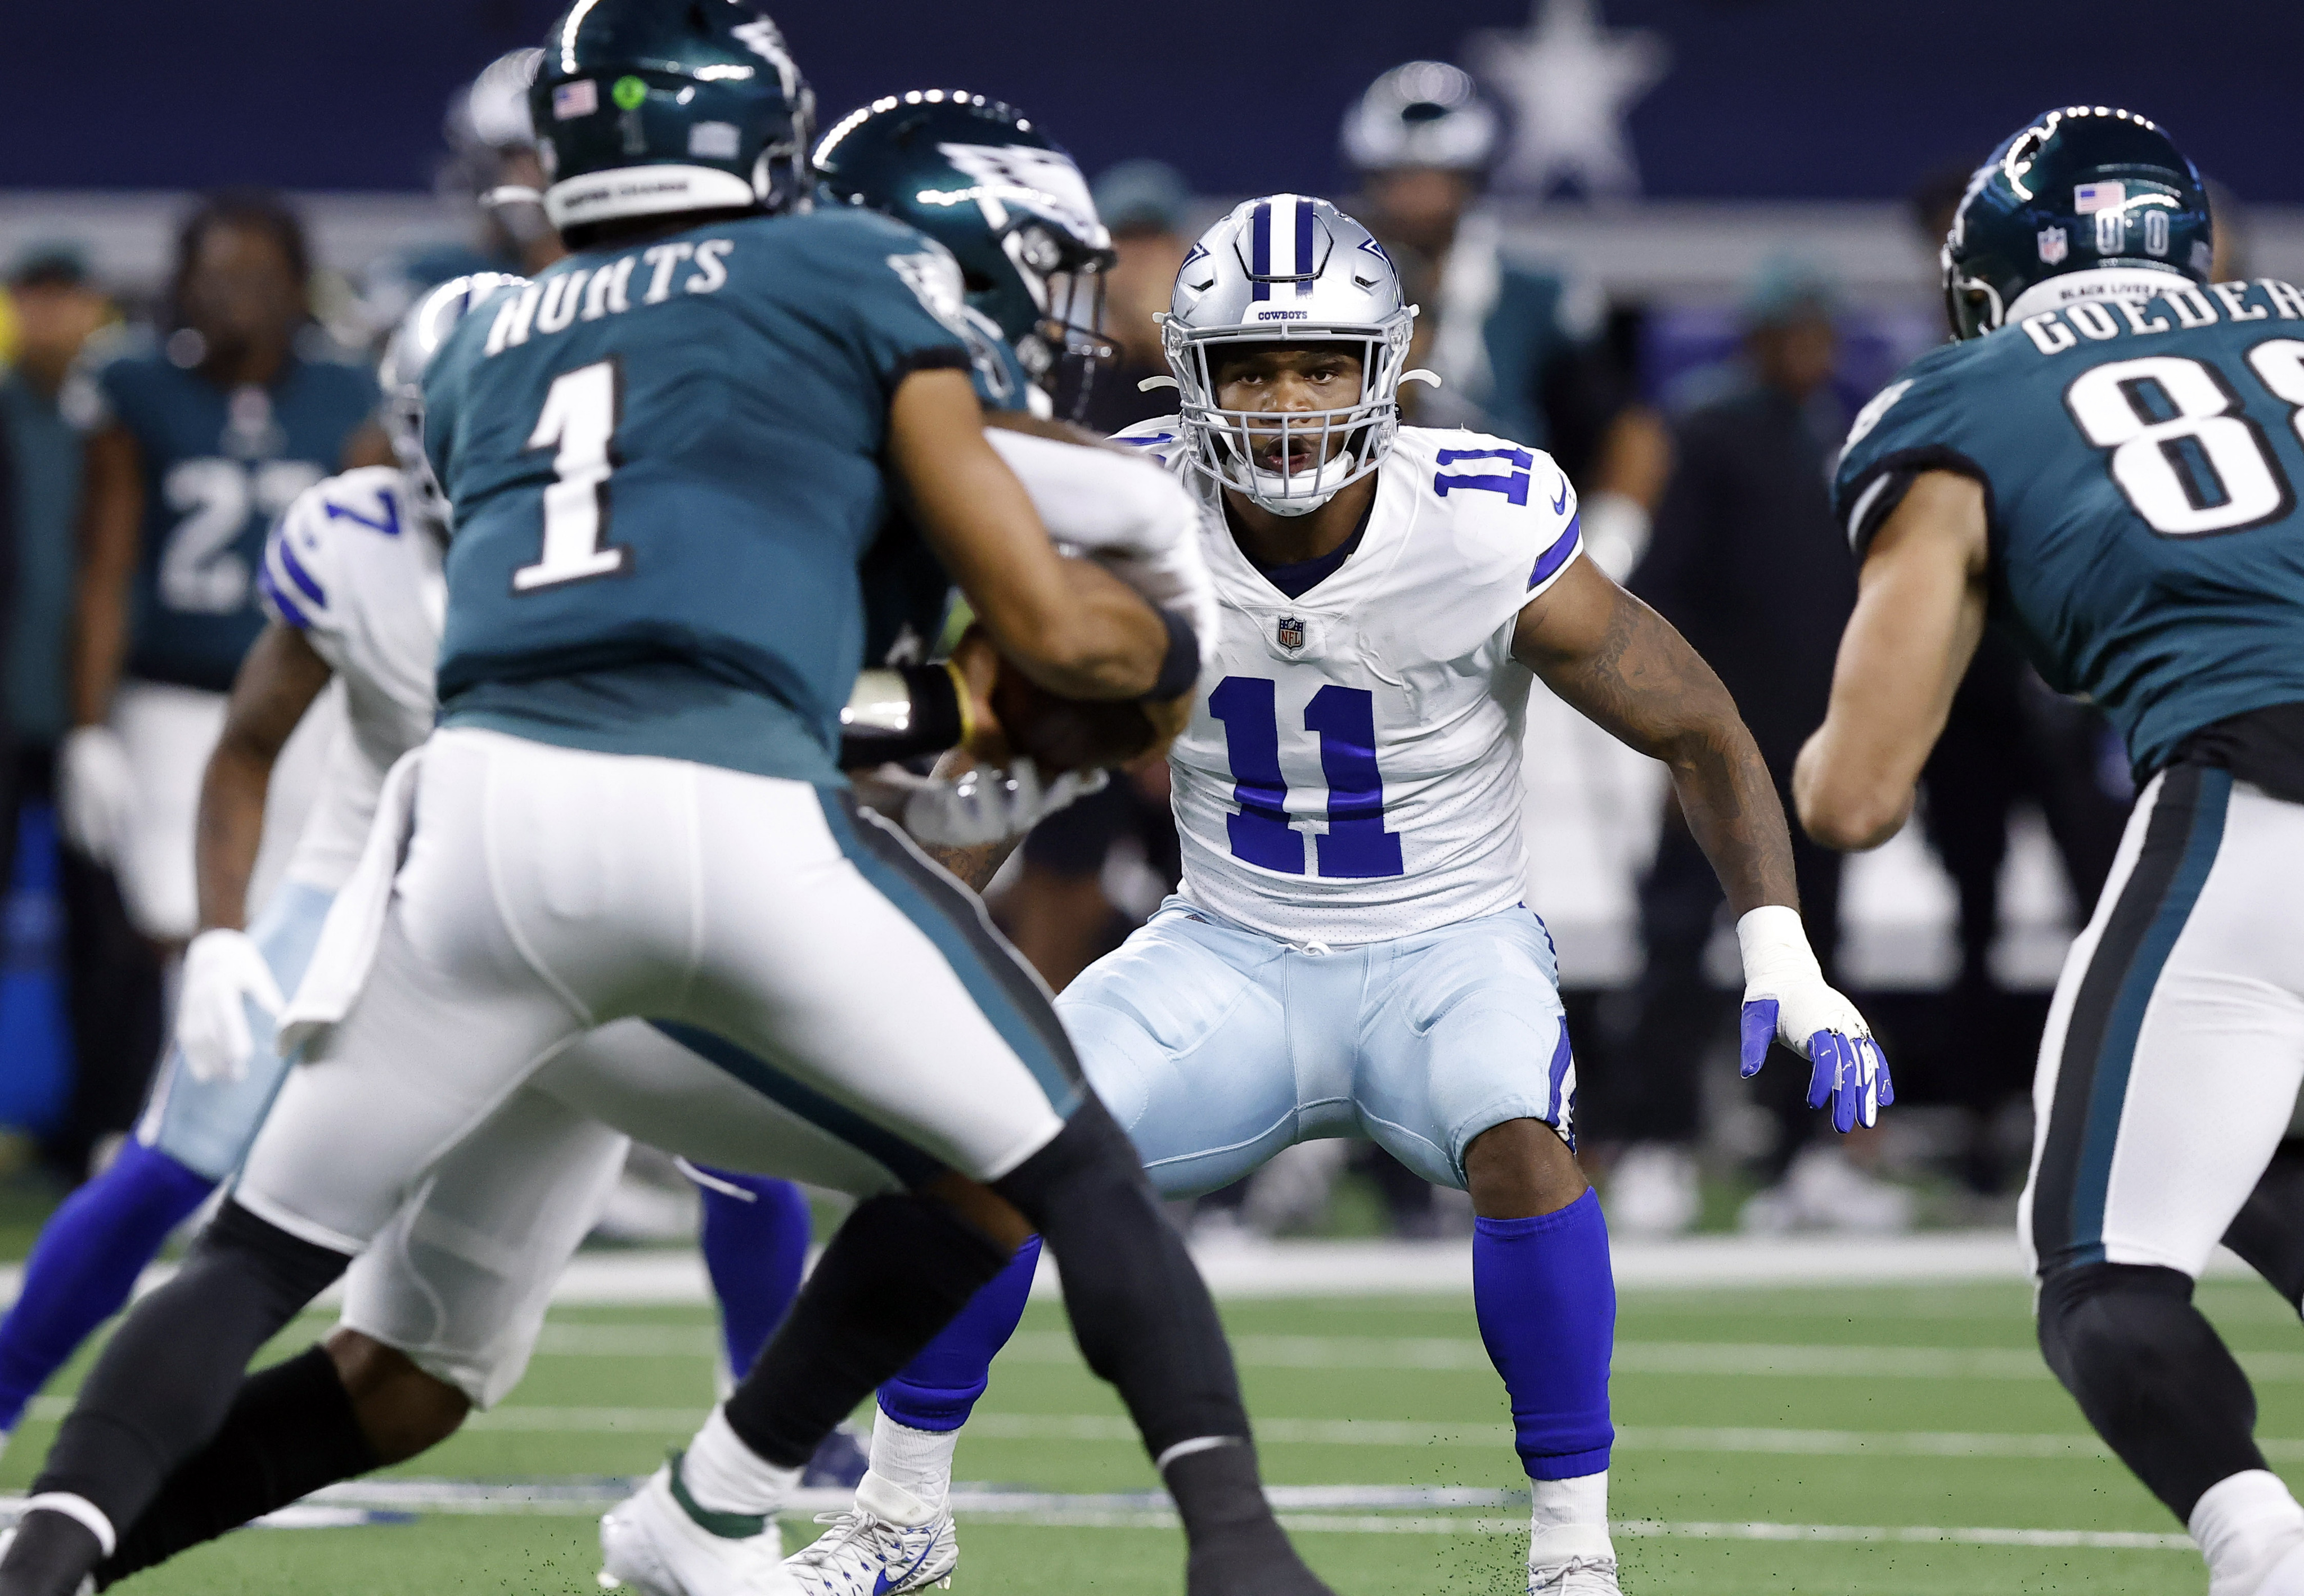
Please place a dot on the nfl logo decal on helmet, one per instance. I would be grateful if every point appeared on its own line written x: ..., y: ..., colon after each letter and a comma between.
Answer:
x: 1290, y: 633
x: 2085, y: 188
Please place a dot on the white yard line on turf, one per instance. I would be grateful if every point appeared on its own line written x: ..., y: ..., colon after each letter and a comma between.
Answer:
x: 1306, y: 1509
x: 1251, y: 1269
x: 1759, y: 1359
x: 1099, y: 1428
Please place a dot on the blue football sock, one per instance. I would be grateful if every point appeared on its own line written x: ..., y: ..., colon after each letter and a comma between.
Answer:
x: 938, y: 1389
x: 86, y: 1263
x: 1546, y: 1301
x: 755, y: 1247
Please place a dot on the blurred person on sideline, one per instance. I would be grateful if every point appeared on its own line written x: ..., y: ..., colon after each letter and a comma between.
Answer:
x: 1747, y: 560
x: 1517, y: 346
x: 2010, y: 740
x: 196, y: 439
x: 112, y: 982
x: 491, y: 176
x: 1147, y: 206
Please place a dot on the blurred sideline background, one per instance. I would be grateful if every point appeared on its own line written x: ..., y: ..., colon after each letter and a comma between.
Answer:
x: 1688, y: 232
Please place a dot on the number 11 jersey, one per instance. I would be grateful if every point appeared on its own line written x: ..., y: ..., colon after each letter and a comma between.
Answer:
x: 1352, y: 770
x: 2140, y: 462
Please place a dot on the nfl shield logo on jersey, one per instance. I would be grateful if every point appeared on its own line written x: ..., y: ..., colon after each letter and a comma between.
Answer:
x: 1290, y: 633
x: 2054, y: 246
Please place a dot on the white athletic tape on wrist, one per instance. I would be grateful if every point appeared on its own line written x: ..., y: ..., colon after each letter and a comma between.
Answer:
x: 1775, y: 949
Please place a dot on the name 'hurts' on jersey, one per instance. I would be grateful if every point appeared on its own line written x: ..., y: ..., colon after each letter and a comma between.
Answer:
x: 2141, y: 459
x: 665, y: 463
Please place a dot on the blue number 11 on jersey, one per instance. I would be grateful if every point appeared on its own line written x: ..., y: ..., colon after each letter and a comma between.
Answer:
x: 1356, y: 843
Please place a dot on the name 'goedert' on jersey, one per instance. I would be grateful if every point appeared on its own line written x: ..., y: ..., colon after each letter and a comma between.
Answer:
x: 1352, y: 770
x: 2142, y: 462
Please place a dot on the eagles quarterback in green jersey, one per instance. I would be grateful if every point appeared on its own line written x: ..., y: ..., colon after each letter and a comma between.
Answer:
x: 666, y: 458
x: 2105, y: 462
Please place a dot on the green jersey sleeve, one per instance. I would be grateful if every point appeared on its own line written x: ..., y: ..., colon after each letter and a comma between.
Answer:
x: 1916, y: 423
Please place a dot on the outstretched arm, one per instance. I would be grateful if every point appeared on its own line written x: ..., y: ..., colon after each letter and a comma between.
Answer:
x: 1623, y: 668
x: 1920, y: 611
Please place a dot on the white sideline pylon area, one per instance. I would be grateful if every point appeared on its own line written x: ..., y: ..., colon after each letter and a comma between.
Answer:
x: 1248, y: 1268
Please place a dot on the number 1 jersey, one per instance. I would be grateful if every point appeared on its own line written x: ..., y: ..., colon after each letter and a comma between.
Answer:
x: 2140, y: 463
x: 1352, y: 770
x: 666, y: 461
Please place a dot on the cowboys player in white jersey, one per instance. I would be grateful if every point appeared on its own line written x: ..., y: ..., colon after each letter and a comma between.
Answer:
x: 1349, y: 954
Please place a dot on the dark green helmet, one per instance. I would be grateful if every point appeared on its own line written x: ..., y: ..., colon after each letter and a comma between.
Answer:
x: 1005, y: 199
x: 2083, y: 189
x: 645, y: 107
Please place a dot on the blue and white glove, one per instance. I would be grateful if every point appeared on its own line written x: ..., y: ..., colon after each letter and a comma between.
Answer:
x: 1786, y: 1000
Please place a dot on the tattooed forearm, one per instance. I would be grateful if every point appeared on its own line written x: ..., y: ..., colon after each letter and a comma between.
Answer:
x: 1625, y: 668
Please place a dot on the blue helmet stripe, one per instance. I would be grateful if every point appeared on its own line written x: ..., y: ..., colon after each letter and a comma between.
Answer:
x: 1303, y: 248
x: 1260, y: 248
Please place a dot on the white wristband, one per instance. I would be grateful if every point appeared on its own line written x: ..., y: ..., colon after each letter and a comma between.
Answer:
x: 1776, y: 948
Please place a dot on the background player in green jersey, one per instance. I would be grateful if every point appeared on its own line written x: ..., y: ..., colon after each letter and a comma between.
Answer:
x: 2107, y: 464
x: 196, y: 442
x: 666, y: 459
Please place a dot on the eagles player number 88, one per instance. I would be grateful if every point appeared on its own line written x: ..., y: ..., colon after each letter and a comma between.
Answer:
x: 578, y: 423
x: 2204, y: 468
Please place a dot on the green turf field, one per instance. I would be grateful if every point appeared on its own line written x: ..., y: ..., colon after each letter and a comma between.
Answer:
x: 1902, y: 1440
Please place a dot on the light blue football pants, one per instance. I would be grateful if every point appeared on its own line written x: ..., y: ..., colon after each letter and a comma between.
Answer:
x: 1215, y: 1045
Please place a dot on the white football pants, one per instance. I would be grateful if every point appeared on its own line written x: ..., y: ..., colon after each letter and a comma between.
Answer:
x: 2175, y: 1042
x: 805, y: 951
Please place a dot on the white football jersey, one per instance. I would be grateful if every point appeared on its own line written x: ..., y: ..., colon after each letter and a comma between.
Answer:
x: 1351, y: 772
x: 352, y: 566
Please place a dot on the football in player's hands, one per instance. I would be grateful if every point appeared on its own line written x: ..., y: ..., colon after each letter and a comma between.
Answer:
x: 1062, y: 733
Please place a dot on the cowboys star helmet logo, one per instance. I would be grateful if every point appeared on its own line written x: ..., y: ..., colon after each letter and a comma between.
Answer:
x: 2054, y: 246
x: 1290, y: 632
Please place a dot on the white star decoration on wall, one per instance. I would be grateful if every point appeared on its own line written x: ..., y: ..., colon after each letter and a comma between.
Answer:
x: 1570, y: 81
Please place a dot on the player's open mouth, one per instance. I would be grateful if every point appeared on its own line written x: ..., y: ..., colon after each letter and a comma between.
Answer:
x: 1285, y: 456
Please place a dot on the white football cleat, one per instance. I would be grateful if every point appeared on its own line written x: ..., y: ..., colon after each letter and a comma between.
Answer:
x: 661, y: 1541
x: 891, y: 1543
x: 1578, y: 1576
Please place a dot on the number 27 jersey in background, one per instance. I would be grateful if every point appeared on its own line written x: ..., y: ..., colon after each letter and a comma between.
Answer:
x: 1352, y: 770
x: 2141, y: 463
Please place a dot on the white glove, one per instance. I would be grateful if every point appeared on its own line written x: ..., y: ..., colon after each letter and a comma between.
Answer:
x: 1786, y: 1000
x: 96, y: 789
x: 979, y: 807
x: 224, y: 972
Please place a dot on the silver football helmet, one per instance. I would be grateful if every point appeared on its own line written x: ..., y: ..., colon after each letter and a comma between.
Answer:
x: 1297, y: 270
x: 400, y: 376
